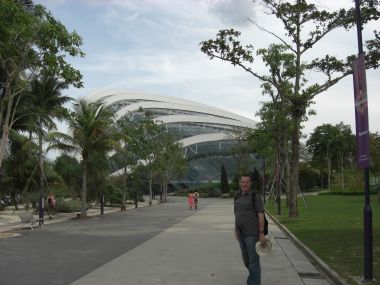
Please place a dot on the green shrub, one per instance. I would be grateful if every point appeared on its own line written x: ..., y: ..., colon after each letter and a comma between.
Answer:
x: 224, y: 181
x: 308, y: 178
x: 375, y: 187
x: 213, y: 193
x: 181, y: 193
x: 232, y: 192
x: 347, y: 193
x: 67, y: 206
x: 207, y: 190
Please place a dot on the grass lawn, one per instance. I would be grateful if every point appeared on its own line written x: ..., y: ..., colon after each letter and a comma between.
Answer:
x: 332, y: 227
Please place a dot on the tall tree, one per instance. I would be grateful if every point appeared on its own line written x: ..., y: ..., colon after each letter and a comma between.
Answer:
x: 291, y: 83
x: 242, y: 150
x: 321, y: 144
x: 333, y: 145
x: 224, y: 187
x: 20, y: 166
x: 171, y: 162
x: 46, y: 104
x: 69, y: 169
x: 346, y: 148
x: 274, y: 133
x: 91, y: 126
x: 148, y: 146
x: 256, y: 183
x: 127, y: 155
x: 31, y: 40
x: 374, y: 145
x: 97, y: 172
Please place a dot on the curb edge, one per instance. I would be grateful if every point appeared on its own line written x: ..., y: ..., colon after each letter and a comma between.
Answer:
x: 326, y: 269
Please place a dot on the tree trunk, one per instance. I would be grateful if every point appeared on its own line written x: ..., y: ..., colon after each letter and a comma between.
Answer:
x: 5, y: 134
x: 40, y: 161
x: 285, y: 171
x: 329, y: 169
x: 294, y: 168
x: 14, y: 200
x: 83, y: 193
x: 321, y: 180
x: 123, y: 202
x: 342, y: 169
x: 298, y: 111
x: 164, y: 186
x: 165, y: 192
x: 287, y: 181
x: 279, y: 168
x: 41, y: 204
x: 150, y: 189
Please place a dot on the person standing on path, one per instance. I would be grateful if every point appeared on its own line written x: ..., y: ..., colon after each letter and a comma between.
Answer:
x: 249, y: 227
x: 191, y: 200
x: 196, y: 199
x: 51, y: 204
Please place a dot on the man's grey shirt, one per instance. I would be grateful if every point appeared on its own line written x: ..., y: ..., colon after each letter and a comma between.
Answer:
x: 246, y: 219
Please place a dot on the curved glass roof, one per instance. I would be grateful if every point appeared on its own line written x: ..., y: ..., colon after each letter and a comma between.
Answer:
x: 203, y: 130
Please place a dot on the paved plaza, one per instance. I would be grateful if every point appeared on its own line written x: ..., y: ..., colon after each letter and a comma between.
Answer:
x: 160, y: 244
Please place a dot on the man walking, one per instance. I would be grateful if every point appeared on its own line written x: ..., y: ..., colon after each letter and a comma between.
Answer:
x: 249, y: 227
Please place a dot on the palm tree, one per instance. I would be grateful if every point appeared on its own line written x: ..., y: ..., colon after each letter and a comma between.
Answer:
x: 46, y: 103
x: 91, y: 126
x: 19, y: 166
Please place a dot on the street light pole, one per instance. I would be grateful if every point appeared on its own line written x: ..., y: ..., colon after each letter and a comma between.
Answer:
x: 362, y: 137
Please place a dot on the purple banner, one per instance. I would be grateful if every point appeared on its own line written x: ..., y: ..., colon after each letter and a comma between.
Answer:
x: 361, y: 112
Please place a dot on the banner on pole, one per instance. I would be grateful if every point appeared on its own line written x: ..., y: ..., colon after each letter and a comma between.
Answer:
x: 361, y: 112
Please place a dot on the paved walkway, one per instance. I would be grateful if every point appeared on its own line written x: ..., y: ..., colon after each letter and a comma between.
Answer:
x: 201, y: 249
x: 9, y: 219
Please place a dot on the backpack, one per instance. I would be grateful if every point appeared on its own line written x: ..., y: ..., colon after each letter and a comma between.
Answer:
x: 265, y: 218
x: 253, y: 194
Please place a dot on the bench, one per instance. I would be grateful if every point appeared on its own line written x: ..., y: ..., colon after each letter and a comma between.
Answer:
x: 28, y: 218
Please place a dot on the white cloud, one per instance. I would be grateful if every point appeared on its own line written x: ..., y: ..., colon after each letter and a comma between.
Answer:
x: 54, y: 2
x: 233, y: 12
x: 153, y: 46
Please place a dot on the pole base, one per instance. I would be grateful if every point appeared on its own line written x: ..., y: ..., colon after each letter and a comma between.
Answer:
x: 362, y: 280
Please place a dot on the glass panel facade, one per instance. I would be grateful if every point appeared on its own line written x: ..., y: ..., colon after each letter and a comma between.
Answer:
x: 205, y: 159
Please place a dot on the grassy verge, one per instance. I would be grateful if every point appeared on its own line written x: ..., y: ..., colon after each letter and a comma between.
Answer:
x: 332, y: 227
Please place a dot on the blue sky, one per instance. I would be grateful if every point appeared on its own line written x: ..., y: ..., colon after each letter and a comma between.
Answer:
x: 153, y: 46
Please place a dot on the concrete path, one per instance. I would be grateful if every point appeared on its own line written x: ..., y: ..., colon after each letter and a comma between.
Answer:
x: 202, y: 250
x: 163, y: 244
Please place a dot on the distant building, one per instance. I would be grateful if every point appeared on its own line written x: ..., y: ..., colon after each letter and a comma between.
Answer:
x: 204, y: 131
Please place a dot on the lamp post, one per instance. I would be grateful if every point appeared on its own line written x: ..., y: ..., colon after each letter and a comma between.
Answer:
x: 362, y: 143
x: 101, y: 203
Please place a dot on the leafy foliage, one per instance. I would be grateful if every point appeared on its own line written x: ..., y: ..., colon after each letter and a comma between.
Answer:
x: 32, y: 40
x: 92, y: 134
x: 69, y: 169
x: 305, y: 25
x: 308, y: 178
x: 331, y: 147
x: 20, y: 167
x: 224, y: 187
x: 171, y: 162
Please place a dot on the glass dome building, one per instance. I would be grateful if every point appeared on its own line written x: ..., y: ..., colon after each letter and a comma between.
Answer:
x: 204, y: 131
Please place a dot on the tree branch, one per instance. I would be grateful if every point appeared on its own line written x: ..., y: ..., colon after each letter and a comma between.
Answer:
x: 261, y: 28
x: 247, y: 69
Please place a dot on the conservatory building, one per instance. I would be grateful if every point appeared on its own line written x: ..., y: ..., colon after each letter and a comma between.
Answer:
x: 203, y: 131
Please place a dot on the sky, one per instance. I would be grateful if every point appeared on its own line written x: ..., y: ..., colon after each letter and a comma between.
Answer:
x: 153, y: 46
